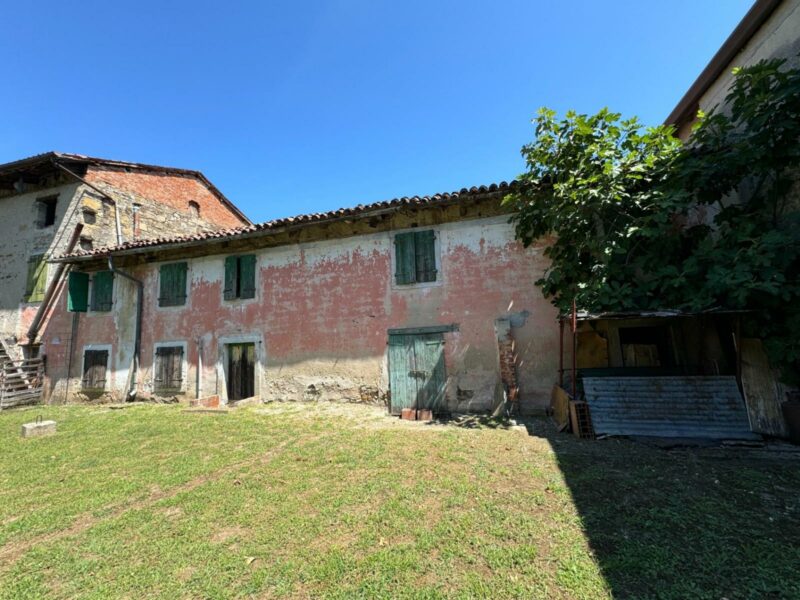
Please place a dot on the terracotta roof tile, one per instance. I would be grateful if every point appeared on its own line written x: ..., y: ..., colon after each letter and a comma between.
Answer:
x: 359, y: 211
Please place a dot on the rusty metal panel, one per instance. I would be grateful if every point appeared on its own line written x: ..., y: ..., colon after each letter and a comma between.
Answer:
x: 679, y: 406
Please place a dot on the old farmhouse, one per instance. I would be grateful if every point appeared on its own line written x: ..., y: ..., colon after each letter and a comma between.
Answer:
x: 429, y: 297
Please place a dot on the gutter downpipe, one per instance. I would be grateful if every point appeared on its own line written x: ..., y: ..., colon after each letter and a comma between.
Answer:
x: 138, y: 331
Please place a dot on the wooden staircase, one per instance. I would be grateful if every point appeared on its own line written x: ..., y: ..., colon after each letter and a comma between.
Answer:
x: 21, y: 381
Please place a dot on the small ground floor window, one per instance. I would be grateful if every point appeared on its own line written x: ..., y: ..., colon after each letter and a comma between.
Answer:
x: 241, y: 373
x: 95, y: 366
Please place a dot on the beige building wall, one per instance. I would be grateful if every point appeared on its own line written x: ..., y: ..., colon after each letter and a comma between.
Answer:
x: 779, y: 37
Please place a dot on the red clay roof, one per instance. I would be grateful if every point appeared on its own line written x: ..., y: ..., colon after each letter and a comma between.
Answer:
x: 65, y: 157
x: 359, y: 211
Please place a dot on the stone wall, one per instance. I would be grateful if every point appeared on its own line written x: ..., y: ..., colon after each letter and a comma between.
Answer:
x: 163, y: 208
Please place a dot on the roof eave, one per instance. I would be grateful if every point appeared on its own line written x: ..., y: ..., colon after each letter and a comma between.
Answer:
x: 687, y: 107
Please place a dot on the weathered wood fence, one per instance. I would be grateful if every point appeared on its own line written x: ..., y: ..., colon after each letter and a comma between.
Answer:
x: 21, y: 382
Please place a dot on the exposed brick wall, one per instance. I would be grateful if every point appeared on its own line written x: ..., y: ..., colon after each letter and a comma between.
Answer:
x: 174, y: 191
x: 508, y: 366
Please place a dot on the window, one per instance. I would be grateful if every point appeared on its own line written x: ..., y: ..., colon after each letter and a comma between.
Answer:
x: 415, y: 257
x: 172, y: 285
x: 89, y: 216
x: 168, y: 369
x: 102, y: 290
x: 37, y: 278
x: 46, y: 211
x: 240, y: 277
x: 194, y: 208
x: 86, y: 243
x: 95, y: 364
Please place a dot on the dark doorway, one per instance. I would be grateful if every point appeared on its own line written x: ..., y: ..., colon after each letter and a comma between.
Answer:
x: 241, y: 371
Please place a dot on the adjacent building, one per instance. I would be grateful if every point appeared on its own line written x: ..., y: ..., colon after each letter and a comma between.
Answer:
x: 57, y: 203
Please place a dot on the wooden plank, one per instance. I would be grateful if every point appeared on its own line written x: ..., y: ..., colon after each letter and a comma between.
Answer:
x: 401, y: 362
x: 430, y: 371
x: 559, y: 404
x: 423, y: 330
x: 761, y: 390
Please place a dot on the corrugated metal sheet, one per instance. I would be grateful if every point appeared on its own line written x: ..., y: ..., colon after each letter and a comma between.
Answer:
x: 684, y: 406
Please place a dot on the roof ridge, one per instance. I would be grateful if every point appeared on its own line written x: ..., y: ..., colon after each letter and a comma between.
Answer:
x: 307, y: 218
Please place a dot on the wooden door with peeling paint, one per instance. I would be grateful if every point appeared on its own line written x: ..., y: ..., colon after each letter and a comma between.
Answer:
x: 416, y: 371
x: 241, y: 371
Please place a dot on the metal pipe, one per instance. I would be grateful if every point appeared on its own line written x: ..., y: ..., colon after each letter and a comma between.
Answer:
x: 99, y: 191
x: 33, y: 330
x: 199, y: 367
x: 72, y: 335
x: 138, y: 330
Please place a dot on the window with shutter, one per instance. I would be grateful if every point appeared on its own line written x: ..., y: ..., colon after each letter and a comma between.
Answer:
x: 172, y: 284
x: 415, y: 257
x: 37, y: 278
x: 102, y: 291
x: 95, y: 364
x: 240, y: 277
x: 168, y: 369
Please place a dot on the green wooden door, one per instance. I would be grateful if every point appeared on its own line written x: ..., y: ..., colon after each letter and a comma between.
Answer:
x: 417, y: 375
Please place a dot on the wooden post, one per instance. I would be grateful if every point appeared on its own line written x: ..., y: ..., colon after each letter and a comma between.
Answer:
x: 738, y: 341
x: 574, y: 350
x: 561, y: 352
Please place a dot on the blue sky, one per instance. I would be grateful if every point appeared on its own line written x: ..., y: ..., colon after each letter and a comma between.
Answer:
x: 294, y: 107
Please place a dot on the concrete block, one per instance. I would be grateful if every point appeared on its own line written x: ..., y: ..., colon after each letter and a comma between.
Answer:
x: 38, y: 429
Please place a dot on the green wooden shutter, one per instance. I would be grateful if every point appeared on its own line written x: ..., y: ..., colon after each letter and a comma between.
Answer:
x: 180, y: 279
x: 231, y: 276
x: 37, y: 278
x: 102, y: 289
x: 425, y: 255
x: 172, y: 285
x: 247, y: 276
x: 165, y: 285
x: 77, y: 291
x: 404, y: 258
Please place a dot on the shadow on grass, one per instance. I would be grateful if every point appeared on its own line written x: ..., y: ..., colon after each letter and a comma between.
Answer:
x: 473, y: 421
x: 688, y: 523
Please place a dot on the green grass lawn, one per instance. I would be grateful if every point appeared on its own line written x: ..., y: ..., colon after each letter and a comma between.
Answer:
x: 338, y: 501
